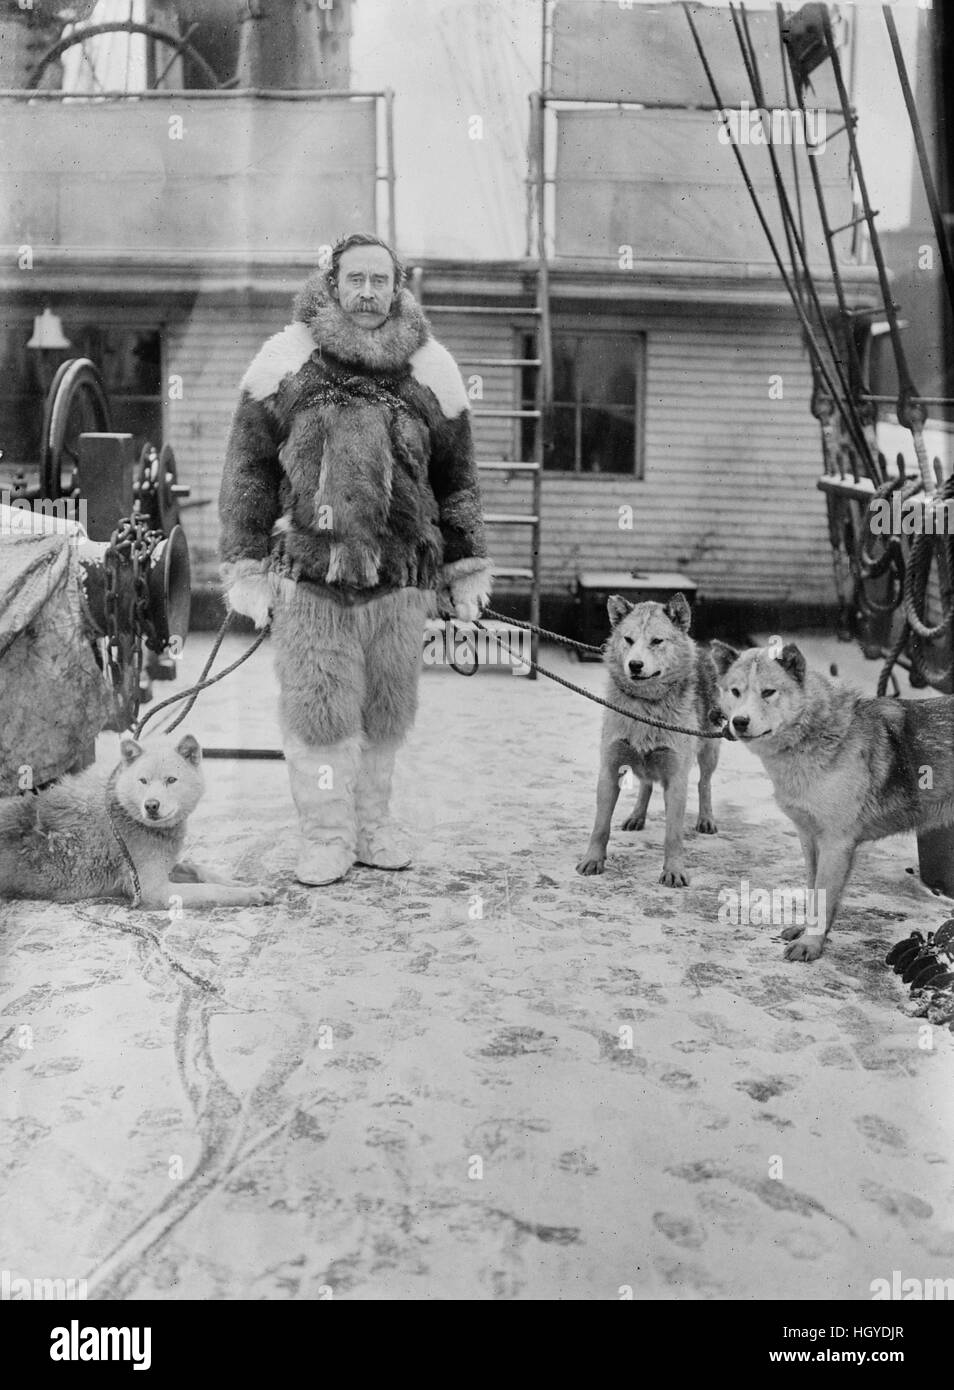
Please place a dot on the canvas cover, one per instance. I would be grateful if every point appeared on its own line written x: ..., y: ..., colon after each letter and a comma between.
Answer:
x: 52, y: 695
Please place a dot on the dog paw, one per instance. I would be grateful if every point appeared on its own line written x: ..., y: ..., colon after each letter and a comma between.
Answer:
x: 674, y: 878
x: 707, y: 826
x: 592, y: 864
x: 633, y: 822
x: 809, y: 948
x: 261, y: 897
x: 790, y: 933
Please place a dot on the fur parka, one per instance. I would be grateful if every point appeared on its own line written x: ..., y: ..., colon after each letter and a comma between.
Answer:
x: 350, y: 461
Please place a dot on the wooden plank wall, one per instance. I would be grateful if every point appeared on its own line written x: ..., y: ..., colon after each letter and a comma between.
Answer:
x: 729, y: 494
x: 209, y: 350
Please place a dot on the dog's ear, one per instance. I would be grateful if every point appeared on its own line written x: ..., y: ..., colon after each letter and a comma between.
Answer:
x: 189, y: 748
x: 792, y: 661
x: 130, y: 750
x: 723, y: 655
x: 678, y: 612
x: 617, y: 607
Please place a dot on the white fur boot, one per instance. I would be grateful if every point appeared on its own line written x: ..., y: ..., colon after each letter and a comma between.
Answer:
x: 381, y: 845
x: 323, y: 783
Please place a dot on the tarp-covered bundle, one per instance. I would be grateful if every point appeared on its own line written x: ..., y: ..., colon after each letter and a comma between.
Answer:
x: 53, y: 700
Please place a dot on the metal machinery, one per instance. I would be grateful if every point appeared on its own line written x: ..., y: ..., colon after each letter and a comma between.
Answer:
x: 134, y: 561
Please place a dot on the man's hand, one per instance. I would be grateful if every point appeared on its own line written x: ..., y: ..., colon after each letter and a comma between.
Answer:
x: 248, y: 590
x: 465, y: 588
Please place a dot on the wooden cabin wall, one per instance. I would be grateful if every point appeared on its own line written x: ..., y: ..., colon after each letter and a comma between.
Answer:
x: 729, y: 493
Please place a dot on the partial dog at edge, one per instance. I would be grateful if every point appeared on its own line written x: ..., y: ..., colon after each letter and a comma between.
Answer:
x: 60, y: 844
x: 845, y: 768
x: 658, y: 671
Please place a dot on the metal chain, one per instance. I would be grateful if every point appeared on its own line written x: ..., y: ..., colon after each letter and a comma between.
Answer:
x: 111, y: 668
x: 131, y: 544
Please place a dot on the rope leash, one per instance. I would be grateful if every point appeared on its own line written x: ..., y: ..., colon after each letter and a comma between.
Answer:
x: 579, y: 689
x: 544, y: 632
x: 204, y: 681
x: 527, y: 627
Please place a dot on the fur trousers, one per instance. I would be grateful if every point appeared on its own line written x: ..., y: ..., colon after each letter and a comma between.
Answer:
x: 348, y: 670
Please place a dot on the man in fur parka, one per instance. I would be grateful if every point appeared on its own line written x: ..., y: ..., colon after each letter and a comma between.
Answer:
x: 350, y: 513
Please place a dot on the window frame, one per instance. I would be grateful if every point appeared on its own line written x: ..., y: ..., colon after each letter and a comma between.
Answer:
x: 588, y: 325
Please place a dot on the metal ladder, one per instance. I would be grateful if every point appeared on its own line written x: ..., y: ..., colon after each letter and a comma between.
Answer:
x: 536, y: 313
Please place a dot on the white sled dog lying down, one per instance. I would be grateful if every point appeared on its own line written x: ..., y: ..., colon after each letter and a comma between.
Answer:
x: 63, y: 844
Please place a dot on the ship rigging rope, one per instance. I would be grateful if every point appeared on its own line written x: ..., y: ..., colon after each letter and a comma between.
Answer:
x: 919, y: 568
x: 793, y: 239
x: 810, y: 340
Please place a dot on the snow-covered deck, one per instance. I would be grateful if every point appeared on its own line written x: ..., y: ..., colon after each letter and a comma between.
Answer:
x: 486, y: 1077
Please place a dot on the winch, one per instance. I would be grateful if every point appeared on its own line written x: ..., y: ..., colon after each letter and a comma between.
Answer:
x: 94, y: 577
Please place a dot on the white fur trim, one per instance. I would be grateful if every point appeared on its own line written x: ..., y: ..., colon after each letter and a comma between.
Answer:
x: 252, y: 598
x: 248, y: 590
x: 434, y: 367
x: 469, y: 587
x: 282, y: 355
x: 470, y: 564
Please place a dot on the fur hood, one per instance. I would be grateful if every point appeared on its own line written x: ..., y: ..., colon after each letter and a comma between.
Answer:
x: 385, y: 349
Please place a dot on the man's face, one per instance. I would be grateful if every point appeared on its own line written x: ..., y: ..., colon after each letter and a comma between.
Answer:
x: 366, y: 284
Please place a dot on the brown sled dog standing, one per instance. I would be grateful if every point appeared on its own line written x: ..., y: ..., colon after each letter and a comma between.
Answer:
x: 658, y: 671
x: 845, y: 769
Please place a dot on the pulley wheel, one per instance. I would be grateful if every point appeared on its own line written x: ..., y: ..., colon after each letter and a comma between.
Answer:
x: 167, y: 495
x: 170, y: 591
x: 76, y: 404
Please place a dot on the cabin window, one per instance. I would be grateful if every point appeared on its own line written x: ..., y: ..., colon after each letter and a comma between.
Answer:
x: 598, y: 391
x: 128, y: 358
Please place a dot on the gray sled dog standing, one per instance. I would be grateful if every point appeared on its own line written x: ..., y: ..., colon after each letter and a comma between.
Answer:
x: 61, y: 845
x: 845, y: 768
x: 658, y: 671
